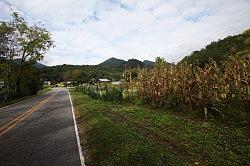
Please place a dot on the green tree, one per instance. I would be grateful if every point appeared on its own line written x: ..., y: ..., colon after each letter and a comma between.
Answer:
x: 8, y: 51
x: 30, y: 81
x: 160, y: 62
x: 33, y: 42
x: 21, y: 46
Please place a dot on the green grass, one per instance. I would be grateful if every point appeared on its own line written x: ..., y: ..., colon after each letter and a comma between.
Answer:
x: 126, y: 134
x: 47, y: 89
x: 60, y: 84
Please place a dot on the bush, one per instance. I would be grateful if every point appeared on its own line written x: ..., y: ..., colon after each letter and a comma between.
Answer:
x: 112, y: 94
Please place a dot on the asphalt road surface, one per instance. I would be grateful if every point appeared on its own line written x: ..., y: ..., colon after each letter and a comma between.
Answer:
x: 39, y: 132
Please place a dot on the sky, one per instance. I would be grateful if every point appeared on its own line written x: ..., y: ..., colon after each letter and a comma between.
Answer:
x: 91, y: 31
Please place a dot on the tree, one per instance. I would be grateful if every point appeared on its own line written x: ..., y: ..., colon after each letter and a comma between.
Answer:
x: 21, y: 46
x: 8, y: 51
x: 30, y: 80
x: 33, y: 41
x: 160, y: 62
x: 77, y: 76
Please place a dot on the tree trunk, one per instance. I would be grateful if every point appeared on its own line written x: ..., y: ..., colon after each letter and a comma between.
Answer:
x: 9, y: 77
x: 24, y: 56
x: 8, y: 91
x: 18, y: 82
x: 6, y: 98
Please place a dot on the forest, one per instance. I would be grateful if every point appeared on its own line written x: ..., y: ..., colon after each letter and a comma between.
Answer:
x: 111, y: 69
x: 220, y: 50
x: 80, y: 73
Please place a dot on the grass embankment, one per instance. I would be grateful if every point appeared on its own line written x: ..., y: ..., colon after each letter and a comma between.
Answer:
x: 40, y: 92
x: 125, y: 134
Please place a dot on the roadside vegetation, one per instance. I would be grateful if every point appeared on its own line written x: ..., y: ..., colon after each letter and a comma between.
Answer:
x: 195, y: 112
x: 40, y: 92
x: 212, y: 92
x: 129, y: 134
x: 211, y: 89
x: 21, y: 46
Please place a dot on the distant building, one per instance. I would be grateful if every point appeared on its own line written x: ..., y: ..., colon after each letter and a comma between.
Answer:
x: 116, y: 82
x: 69, y: 82
x: 104, y: 80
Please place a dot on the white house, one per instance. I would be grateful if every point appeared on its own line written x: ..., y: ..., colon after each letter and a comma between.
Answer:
x: 116, y: 82
x: 104, y: 80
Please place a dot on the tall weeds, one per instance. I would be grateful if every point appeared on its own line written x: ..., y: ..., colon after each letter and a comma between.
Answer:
x: 209, y: 88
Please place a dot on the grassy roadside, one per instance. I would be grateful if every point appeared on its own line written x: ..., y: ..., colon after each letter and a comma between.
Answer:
x: 47, y: 89
x: 124, y: 134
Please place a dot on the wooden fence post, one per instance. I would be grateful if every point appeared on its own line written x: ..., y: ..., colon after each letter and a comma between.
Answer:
x: 97, y: 89
x: 106, y: 88
x: 121, y: 90
x: 121, y: 87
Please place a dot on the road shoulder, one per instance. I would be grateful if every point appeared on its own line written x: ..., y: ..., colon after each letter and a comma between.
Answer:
x: 76, y: 132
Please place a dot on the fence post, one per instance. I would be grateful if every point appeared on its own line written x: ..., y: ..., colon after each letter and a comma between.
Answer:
x: 121, y: 90
x: 121, y: 87
x: 97, y: 89
x: 106, y: 88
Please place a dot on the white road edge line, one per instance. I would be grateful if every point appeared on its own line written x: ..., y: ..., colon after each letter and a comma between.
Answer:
x: 77, y: 135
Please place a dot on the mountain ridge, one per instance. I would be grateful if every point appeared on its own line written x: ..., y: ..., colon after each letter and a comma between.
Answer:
x: 131, y: 63
x: 37, y: 64
x: 112, y: 62
x: 220, y: 50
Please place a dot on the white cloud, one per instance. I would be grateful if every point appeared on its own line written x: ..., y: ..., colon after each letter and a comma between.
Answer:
x: 90, y: 31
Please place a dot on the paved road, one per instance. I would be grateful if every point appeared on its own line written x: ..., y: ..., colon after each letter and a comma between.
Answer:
x: 39, y: 131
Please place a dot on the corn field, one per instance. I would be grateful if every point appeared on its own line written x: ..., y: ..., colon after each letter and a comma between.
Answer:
x: 209, y: 88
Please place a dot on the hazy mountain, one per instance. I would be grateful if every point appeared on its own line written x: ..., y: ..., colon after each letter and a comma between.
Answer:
x: 131, y: 63
x: 113, y: 62
x: 134, y: 63
x: 148, y: 63
x: 38, y: 65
